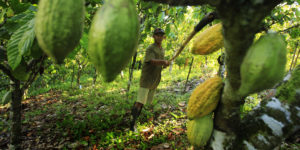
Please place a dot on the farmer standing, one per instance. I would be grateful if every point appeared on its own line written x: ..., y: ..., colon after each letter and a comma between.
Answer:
x: 151, y: 74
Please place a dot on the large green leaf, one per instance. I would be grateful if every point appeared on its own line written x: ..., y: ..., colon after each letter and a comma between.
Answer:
x: 27, y: 39
x: 20, y: 43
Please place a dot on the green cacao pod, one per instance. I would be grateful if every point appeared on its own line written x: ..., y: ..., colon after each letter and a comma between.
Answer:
x: 199, y: 130
x: 264, y: 64
x: 6, y: 98
x: 113, y: 37
x: 21, y: 73
x: 205, y: 98
x: 36, y: 52
x: 59, y: 26
x: 208, y: 41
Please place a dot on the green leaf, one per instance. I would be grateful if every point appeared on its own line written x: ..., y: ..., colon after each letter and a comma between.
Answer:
x: 15, y: 22
x: 18, y: 7
x: 19, y: 44
x: 27, y: 39
x: 84, y: 40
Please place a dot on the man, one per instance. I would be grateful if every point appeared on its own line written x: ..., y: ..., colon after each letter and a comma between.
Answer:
x: 151, y: 74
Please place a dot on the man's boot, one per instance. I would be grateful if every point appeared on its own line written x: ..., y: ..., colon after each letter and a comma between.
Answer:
x: 135, y: 112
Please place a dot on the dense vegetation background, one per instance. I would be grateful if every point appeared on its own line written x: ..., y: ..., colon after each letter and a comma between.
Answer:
x: 70, y: 106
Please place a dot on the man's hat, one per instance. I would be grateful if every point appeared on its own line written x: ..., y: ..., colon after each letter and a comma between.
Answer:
x: 159, y: 31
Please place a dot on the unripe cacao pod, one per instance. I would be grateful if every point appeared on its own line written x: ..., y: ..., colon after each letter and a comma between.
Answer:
x: 205, y: 98
x: 209, y: 40
x: 113, y: 37
x: 59, y: 26
x: 264, y: 64
x: 199, y: 130
x: 36, y: 52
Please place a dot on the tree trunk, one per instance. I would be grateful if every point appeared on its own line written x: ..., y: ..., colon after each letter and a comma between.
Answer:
x: 16, y: 109
x: 94, y: 77
x: 78, y: 76
x: 238, y: 37
x: 187, y: 78
x: 131, y: 69
x: 73, y: 74
x: 295, y: 62
x: 295, y: 51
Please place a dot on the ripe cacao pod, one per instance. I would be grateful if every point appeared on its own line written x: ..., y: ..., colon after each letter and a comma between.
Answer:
x: 113, y: 37
x: 199, y: 130
x: 205, y: 98
x: 209, y: 40
x: 59, y: 26
x: 264, y: 64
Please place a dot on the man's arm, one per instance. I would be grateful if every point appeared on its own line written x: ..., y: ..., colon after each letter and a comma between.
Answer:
x: 158, y: 62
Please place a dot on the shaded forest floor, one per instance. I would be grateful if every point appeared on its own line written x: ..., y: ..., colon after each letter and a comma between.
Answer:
x: 90, y: 118
x: 87, y: 119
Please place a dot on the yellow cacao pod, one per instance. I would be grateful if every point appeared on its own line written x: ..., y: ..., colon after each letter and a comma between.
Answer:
x: 209, y: 40
x: 205, y: 98
x: 200, y: 130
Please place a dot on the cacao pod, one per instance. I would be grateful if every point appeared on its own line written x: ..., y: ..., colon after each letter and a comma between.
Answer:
x: 113, y: 37
x: 199, y: 130
x: 36, y: 52
x: 264, y: 64
x: 205, y: 98
x: 6, y: 98
x: 59, y: 26
x: 209, y: 40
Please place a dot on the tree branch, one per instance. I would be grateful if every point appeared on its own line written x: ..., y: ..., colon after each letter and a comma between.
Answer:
x: 289, y: 28
x: 7, y: 72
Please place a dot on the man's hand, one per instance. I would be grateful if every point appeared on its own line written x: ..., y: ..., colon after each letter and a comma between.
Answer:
x: 166, y: 63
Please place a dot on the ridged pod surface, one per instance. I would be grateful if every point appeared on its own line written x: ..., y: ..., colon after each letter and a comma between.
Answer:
x: 113, y: 37
x: 205, y: 98
x: 59, y: 26
x: 264, y: 64
x: 209, y: 40
x: 199, y: 130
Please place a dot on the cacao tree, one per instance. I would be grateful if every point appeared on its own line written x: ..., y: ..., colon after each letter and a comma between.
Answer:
x: 22, y: 59
x: 273, y: 120
x: 241, y: 20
